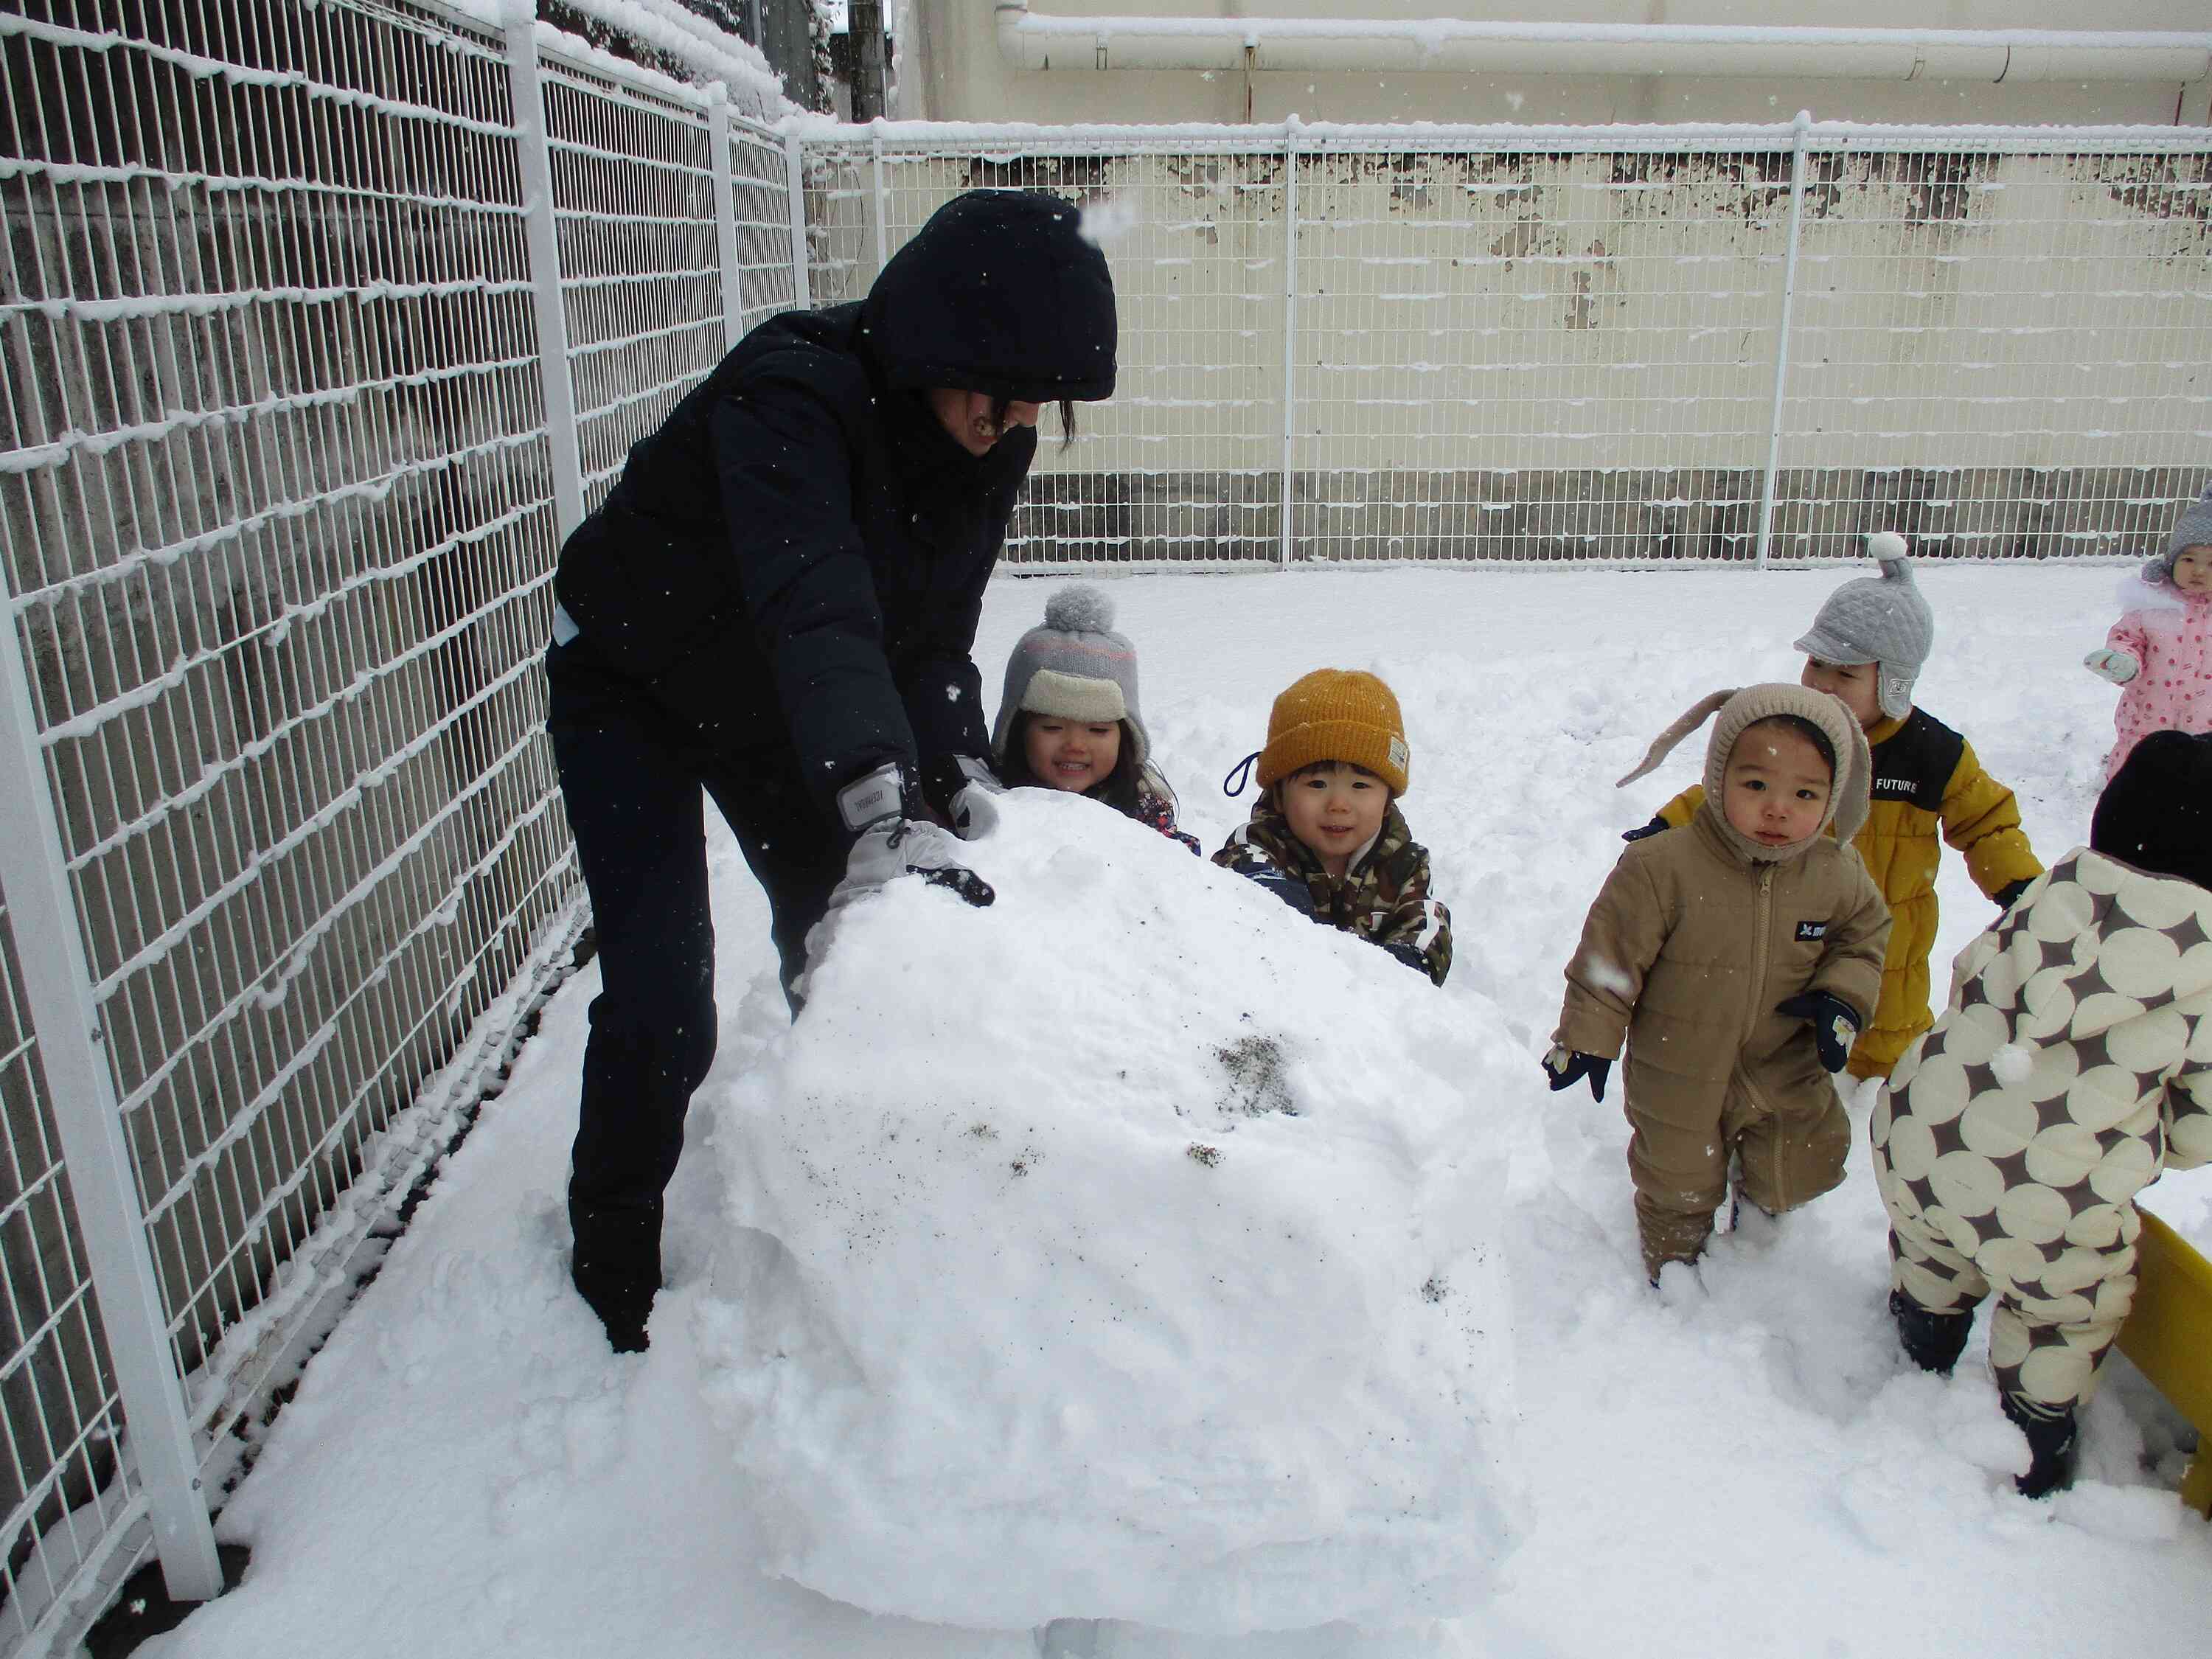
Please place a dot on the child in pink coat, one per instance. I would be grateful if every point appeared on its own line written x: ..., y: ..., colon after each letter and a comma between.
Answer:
x: 2160, y: 654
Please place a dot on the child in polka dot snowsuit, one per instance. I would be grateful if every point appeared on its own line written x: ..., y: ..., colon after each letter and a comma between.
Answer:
x: 2160, y: 654
x: 2073, y: 1066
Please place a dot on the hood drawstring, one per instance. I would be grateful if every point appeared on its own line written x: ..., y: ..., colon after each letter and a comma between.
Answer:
x: 1239, y: 775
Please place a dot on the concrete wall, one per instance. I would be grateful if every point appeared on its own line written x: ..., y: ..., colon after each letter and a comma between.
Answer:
x: 953, y: 69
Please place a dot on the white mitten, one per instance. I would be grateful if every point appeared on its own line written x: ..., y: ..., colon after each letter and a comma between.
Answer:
x: 974, y: 815
x: 894, y: 839
x: 2110, y: 662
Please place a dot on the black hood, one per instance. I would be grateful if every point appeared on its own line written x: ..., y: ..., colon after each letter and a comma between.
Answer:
x: 2157, y: 813
x: 999, y: 293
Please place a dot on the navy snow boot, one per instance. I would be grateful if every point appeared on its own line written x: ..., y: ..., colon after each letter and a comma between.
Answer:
x: 1932, y: 1341
x: 2050, y: 1448
x: 617, y: 1269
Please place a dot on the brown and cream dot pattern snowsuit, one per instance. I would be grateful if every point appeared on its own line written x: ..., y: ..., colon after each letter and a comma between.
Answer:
x: 2072, y: 1067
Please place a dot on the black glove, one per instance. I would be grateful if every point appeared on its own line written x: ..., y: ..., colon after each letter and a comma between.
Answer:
x: 2009, y: 894
x: 1657, y: 824
x: 893, y: 836
x: 1835, y: 1027
x: 1565, y: 1066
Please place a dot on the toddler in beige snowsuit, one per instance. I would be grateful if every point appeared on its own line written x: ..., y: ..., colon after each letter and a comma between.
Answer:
x: 1739, y: 956
x: 2073, y: 1066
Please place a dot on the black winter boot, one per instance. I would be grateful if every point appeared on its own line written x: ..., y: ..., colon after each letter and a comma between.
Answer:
x: 1932, y: 1341
x: 617, y: 1270
x: 2050, y: 1448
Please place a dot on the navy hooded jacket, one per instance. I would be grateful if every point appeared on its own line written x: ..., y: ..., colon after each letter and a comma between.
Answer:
x: 793, y: 564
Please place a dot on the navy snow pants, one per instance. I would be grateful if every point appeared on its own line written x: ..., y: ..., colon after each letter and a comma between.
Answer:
x: 632, y: 773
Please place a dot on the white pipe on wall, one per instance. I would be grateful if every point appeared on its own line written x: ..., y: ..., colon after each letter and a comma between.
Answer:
x: 1031, y: 40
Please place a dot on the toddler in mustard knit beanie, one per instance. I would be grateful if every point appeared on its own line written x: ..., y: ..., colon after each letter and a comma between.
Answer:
x: 1326, y: 834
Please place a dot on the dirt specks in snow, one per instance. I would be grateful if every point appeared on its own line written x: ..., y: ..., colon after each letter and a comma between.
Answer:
x: 1258, y: 1083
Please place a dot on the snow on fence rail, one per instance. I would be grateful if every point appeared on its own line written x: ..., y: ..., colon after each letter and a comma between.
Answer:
x: 324, y: 323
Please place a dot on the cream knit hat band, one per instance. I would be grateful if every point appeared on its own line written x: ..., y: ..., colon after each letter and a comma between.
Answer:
x: 1073, y: 697
x: 1739, y: 710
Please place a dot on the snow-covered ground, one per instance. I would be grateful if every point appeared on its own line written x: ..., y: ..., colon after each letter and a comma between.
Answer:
x: 896, y: 1367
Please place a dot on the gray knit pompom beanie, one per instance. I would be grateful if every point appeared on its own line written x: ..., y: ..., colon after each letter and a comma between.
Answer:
x: 2193, y: 529
x: 1882, y: 619
x: 1074, y: 666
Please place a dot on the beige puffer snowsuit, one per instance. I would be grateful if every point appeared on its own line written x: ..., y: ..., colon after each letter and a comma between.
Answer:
x: 1686, y: 953
x: 2073, y: 1066
x: 1696, y: 936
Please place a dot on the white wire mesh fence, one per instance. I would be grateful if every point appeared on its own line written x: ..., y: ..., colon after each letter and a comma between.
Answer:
x: 281, y: 498
x: 1617, y: 344
x: 324, y: 323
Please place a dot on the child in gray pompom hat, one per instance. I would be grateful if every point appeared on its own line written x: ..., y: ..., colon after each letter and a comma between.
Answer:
x: 1881, y: 621
x: 1069, y: 719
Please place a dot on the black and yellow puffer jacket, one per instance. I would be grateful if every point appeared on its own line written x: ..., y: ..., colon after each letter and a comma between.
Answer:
x: 1926, y: 783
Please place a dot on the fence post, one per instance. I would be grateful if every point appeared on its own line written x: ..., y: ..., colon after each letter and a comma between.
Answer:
x: 1801, y: 128
x: 794, y: 182
x: 726, y: 214
x: 58, y: 985
x: 535, y: 154
x: 1290, y: 334
x: 883, y: 211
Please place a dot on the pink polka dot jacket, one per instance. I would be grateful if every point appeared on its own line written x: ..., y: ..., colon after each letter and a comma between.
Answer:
x: 2172, y: 640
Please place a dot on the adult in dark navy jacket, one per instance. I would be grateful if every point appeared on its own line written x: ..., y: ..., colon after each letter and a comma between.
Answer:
x: 776, y: 604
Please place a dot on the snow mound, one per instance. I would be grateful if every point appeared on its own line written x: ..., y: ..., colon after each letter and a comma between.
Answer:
x: 1124, y: 1250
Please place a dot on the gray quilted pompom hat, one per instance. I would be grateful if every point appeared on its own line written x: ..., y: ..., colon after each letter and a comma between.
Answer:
x: 2193, y: 529
x: 1881, y: 619
x: 1074, y: 666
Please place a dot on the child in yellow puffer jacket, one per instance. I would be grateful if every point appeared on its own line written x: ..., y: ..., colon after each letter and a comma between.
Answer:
x: 1866, y: 649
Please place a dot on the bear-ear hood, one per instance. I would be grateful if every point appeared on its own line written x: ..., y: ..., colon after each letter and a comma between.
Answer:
x: 1849, y: 794
x: 1000, y: 292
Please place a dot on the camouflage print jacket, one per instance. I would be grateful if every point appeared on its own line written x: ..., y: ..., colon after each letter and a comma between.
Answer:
x: 1383, y: 897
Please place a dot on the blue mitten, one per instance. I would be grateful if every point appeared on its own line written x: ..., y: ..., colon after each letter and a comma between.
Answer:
x: 1835, y: 1027
x: 1566, y: 1066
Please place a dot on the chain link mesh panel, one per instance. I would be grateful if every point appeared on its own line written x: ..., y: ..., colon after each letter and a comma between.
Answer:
x: 67, y: 1500
x: 279, y: 540
x: 641, y: 269
x: 1563, y: 344
x: 761, y: 203
x: 1999, y: 353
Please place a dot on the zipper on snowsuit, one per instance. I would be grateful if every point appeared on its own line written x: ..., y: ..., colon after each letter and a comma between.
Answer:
x: 1763, y: 924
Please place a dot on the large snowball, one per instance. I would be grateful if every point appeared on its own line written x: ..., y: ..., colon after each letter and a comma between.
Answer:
x: 1124, y: 1249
